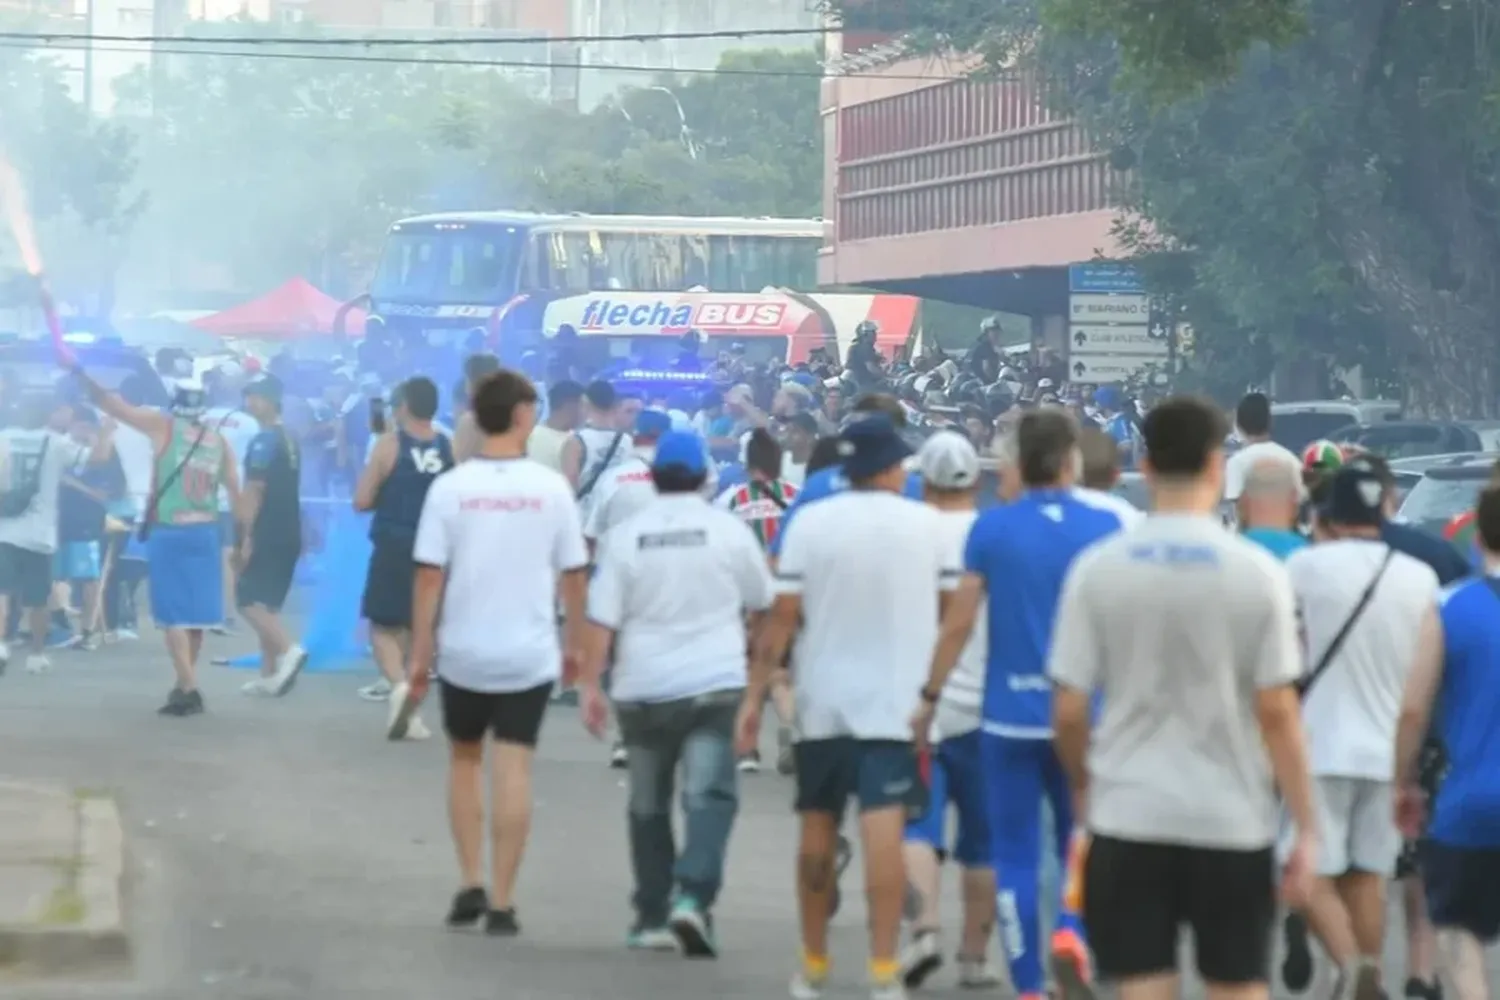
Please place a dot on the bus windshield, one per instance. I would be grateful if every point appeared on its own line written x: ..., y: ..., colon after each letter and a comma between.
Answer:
x: 449, y: 264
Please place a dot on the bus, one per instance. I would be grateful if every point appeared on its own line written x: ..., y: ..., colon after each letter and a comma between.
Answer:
x: 496, y: 270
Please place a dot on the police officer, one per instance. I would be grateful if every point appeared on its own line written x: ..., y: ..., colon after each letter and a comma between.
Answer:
x: 394, y: 485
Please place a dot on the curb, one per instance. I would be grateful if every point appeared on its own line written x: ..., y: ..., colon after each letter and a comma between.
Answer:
x: 93, y: 934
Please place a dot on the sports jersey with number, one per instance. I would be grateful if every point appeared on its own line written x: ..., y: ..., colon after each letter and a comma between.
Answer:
x: 761, y: 505
x: 398, y: 507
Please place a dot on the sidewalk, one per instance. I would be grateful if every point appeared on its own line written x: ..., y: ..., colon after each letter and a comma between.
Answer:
x: 61, y: 878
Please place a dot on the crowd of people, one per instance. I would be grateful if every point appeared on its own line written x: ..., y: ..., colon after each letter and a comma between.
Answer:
x: 1229, y: 728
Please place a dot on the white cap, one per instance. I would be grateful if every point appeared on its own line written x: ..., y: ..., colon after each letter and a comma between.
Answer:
x: 948, y: 461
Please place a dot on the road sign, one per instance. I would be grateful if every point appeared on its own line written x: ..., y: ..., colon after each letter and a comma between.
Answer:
x: 1099, y: 368
x: 1103, y: 277
x: 1093, y: 338
x: 1132, y: 309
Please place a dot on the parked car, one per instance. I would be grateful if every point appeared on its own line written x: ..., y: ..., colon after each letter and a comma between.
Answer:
x: 1297, y: 425
x: 1446, y: 490
x: 1411, y: 438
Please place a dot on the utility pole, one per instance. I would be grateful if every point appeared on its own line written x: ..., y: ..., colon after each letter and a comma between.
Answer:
x: 88, y: 58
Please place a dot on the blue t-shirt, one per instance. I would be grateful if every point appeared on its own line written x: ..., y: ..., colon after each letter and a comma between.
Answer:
x: 1467, y: 717
x: 823, y: 484
x: 1446, y: 561
x: 1122, y: 429
x: 1023, y: 551
x: 1279, y: 543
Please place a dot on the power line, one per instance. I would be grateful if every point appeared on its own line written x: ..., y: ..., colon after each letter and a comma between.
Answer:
x: 666, y: 36
x: 7, y: 42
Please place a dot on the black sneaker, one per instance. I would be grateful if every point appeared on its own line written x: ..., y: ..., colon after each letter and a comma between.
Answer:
x: 469, y: 907
x: 1416, y: 989
x: 182, y: 703
x: 619, y: 757
x: 502, y: 923
x: 750, y: 763
x: 1297, y: 966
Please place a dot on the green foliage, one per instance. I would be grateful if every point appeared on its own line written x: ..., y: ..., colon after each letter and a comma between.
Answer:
x: 283, y: 166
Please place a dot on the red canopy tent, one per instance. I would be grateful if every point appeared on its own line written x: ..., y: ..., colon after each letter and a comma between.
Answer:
x: 291, y: 311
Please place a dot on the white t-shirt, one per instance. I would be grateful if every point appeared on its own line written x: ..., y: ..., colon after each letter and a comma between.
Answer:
x: 792, y: 471
x: 137, y: 461
x: 868, y: 566
x: 1241, y: 462
x: 238, y: 429
x: 624, y: 489
x: 1126, y: 511
x: 958, y: 711
x: 25, y: 463
x: 504, y: 530
x: 674, y: 583
x: 546, y: 446
x: 1350, y: 713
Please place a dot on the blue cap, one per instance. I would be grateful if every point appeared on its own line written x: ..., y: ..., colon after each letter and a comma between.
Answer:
x: 682, y: 449
x: 652, y: 423
x: 871, y: 445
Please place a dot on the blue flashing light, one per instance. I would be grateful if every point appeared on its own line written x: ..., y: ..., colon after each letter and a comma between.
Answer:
x: 80, y: 338
x: 667, y: 377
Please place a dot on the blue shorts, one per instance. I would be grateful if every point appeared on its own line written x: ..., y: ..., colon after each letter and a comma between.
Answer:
x: 185, y: 575
x: 76, y: 561
x: 958, y: 780
x: 878, y: 773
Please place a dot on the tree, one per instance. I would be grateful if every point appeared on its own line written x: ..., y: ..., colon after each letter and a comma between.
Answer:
x: 1321, y: 175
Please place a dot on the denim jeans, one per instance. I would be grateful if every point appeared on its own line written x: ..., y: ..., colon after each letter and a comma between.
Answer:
x: 696, y: 734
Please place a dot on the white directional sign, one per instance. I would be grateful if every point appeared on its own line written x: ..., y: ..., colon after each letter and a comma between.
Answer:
x: 1091, y: 338
x: 1134, y: 310
x: 1101, y: 368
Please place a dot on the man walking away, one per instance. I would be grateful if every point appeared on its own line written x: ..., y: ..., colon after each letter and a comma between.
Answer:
x: 1018, y: 555
x: 1101, y: 473
x: 1362, y: 606
x: 950, y: 475
x: 191, y: 464
x: 598, y: 444
x: 862, y: 570
x: 467, y: 436
x: 671, y: 589
x: 564, y: 414
x: 493, y: 635
x: 1454, y: 687
x: 238, y: 428
x: 1190, y: 634
x: 1269, y: 503
x: 394, y: 484
x: 34, y: 460
x: 1252, y: 419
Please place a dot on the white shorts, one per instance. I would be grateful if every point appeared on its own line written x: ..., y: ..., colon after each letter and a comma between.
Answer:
x: 1358, y: 826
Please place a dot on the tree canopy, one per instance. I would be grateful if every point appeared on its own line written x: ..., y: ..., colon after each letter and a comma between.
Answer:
x: 1310, y: 178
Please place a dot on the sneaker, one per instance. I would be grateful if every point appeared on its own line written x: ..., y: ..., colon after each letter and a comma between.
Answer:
x: 4, y: 656
x: 225, y: 627
x: 470, y: 906
x: 786, y: 763
x: 643, y: 938
x: 750, y: 763
x: 260, y: 687
x: 288, y: 666
x: 619, y: 757
x: 71, y: 642
x: 182, y: 703
x: 379, y: 691
x: 403, y: 709
x: 977, y: 973
x: 501, y: 923
x: 804, y: 987
x: 1297, y: 963
x: 922, y: 956
x: 892, y: 990
x: 694, y: 928
x: 127, y: 635
x: 90, y: 642
x: 416, y: 730
x: 36, y: 663
x: 1072, y: 966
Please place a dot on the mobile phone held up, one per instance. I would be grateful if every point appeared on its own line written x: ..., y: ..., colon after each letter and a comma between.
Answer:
x: 377, y: 415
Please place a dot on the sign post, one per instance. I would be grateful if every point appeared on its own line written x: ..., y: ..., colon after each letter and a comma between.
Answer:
x: 1115, y: 330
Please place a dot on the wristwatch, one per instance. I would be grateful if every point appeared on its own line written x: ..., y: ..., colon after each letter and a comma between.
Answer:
x: 930, y: 696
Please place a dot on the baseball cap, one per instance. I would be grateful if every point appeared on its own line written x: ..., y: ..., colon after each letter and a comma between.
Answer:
x: 680, y: 449
x: 652, y: 423
x: 947, y: 461
x: 870, y: 445
x: 267, y: 387
x: 1355, y: 497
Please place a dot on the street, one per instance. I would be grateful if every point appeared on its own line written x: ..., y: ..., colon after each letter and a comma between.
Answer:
x: 284, y: 849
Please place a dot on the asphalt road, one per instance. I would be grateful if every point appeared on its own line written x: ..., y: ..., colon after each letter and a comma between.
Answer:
x: 284, y: 849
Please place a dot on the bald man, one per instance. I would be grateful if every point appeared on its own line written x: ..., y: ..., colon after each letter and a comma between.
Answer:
x: 1269, y: 499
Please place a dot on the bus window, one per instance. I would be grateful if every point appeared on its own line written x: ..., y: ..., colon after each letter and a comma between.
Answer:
x: 694, y: 262
x: 662, y: 263
x: 723, y: 267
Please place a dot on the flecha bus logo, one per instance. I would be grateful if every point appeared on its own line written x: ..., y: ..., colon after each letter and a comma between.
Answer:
x: 673, y: 316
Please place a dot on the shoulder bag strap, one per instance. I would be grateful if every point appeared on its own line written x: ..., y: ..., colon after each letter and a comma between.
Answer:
x: 599, y: 470
x: 772, y: 491
x: 151, y: 506
x: 1306, y: 683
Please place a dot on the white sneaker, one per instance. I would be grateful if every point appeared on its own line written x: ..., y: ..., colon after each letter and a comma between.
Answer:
x: 977, y: 974
x: 803, y: 988
x: 288, y: 666
x: 4, y: 656
x: 258, y: 688
x: 379, y: 691
x: 887, y: 991
x: 417, y: 730
x: 401, y: 714
x: 36, y: 663
x: 922, y: 956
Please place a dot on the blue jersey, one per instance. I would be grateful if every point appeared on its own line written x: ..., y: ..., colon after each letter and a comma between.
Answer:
x: 398, y: 507
x: 1467, y: 717
x: 823, y: 484
x: 1280, y: 544
x: 1122, y: 430
x: 1023, y: 552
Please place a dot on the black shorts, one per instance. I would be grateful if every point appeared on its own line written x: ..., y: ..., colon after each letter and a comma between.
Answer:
x: 1138, y: 896
x: 26, y: 575
x: 388, y: 585
x: 266, y: 578
x: 508, y: 716
x: 1463, y: 888
x: 877, y: 773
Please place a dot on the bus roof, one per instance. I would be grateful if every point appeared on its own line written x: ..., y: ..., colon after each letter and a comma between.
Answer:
x: 580, y: 222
